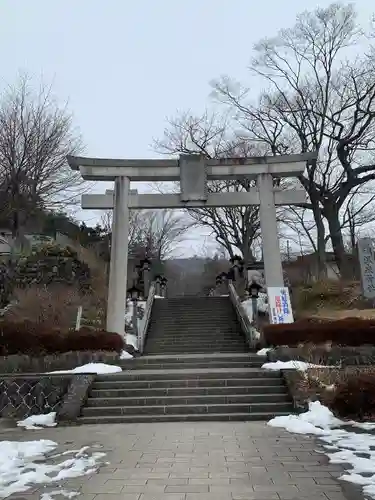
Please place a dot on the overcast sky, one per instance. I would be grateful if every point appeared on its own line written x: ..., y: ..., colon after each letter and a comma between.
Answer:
x: 124, y: 66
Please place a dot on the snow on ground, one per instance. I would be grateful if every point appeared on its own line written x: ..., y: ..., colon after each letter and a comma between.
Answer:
x: 59, y: 493
x: 248, y: 306
x: 264, y: 351
x: 263, y: 302
x: 24, y: 464
x: 125, y: 355
x: 38, y: 421
x: 132, y: 340
x: 129, y: 338
x: 98, y: 368
x: 262, y: 305
x: 343, y: 447
x: 301, y: 366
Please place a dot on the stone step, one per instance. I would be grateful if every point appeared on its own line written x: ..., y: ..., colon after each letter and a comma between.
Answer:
x: 138, y: 364
x: 212, y: 417
x: 193, y: 358
x: 196, y: 346
x: 189, y: 373
x: 185, y: 327
x: 202, y: 336
x: 194, y: 300
x: 207, y: 317
x: 188, y: 409
x: 195, y: 306
x: 180, y: 384
x: 185, y: 391
x: 188, y: 334
x: 197, y: 342
x: 191, y: 349
x: 205, y: 335
x: 203, y: 399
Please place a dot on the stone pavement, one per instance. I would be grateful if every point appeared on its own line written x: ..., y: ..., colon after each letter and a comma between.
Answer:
x: 197, y: 461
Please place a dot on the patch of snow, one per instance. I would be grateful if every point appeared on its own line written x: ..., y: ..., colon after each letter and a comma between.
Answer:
x: 38, y: 421
x: 292, y: 423
x: 141, y: 308
x: 98, y: 368
x: 23, y: 465
x: 301, y: 366
x: 256, y: 334
x: 141, y: 321
x: 342, y: 446
x: 129, y: 313
x: 264, y: 351
x: 367, y: 426
x: 57, y: 493
x: 131, y: 340
x: 125, y: 355
x: 248, y: 307
x: 263, y: 302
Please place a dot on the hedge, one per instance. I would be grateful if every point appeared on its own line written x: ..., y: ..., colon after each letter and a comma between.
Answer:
x: 347, y: 331
x: 35, y: 339
x: 355, y: 398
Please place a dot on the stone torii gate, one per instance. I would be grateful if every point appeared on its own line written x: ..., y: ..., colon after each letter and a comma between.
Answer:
x: 193, y: 172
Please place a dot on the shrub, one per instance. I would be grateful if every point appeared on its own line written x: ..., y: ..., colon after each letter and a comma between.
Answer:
x: 35, y: 339
x: 355, y: 398
x: 48, y: 306
x: 348, y: 331
x: 22, y: 363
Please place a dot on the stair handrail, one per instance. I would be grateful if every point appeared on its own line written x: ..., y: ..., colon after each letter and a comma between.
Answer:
x: 142, y: 332
x: 247, y: 327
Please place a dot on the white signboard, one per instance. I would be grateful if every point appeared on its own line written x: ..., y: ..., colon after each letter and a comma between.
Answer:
x: 280, y: 308
x: 367, y: 263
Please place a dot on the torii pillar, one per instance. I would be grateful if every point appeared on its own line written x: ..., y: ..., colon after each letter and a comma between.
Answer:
x: 118, y: 269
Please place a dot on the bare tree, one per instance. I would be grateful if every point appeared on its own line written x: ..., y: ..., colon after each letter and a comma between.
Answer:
x: 237, y: 229
x: 317, y: 101
x: 154, y: 234
x: 358, y: 214
x: 36, y: 135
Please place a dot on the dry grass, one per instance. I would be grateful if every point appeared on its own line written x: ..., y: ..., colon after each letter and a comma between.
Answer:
x: 325, y: 298
x: 329, y: 377
x: 55, y: 306
x: 327, y: 314
x: 320, y: 383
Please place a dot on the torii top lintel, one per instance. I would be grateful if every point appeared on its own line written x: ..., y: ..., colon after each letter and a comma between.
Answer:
x: 106, y: 169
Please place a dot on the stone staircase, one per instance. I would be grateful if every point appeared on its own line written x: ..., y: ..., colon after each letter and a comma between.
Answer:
x: 188, y: 388
x: 194, y: 325
x: 196, y: 368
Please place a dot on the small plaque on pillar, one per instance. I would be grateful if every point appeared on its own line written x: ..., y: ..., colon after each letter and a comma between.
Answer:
x: 193, y: 178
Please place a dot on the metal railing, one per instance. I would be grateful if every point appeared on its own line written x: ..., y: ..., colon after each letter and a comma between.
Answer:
x: 143, y: 326
x: 247, y: 327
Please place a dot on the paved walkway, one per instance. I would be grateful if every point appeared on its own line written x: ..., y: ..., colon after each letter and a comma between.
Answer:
x: 196, y: 461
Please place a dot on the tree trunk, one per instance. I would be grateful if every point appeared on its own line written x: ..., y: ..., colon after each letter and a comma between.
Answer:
x: 247, y: 252
x: 332, y: 215
x: 321, y: 244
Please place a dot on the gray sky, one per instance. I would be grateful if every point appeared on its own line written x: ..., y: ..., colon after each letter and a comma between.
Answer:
x: 125, y: 66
